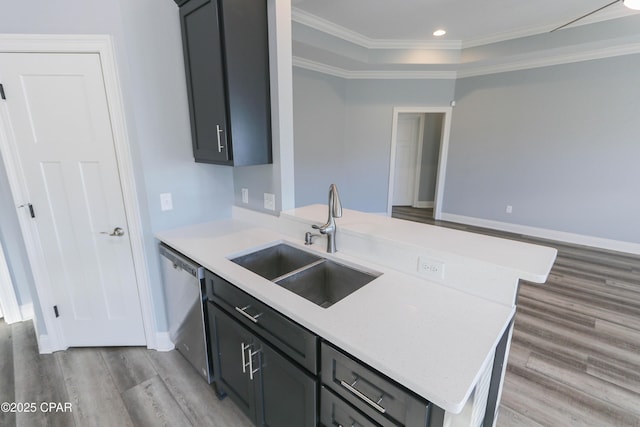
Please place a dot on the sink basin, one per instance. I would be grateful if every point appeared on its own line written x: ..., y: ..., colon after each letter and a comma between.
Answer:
x: 276, y: 261
x: 321, y: 281
x: 326, y: 283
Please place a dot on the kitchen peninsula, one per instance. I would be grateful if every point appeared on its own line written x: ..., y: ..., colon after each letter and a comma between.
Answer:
x: 435, y: 323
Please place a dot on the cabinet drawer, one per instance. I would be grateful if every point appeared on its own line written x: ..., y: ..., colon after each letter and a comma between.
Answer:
x: 336, y: 412
x: 289, y: 337
x: 376, y: 396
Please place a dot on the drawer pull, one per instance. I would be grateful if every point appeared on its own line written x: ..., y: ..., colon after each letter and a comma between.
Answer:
x: 358, y: 393
x: 242, y: 311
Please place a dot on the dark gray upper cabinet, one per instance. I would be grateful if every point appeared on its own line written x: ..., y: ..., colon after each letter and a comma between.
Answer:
x: 226, y: 56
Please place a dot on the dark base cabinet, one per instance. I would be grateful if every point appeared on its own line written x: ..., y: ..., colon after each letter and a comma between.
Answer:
x: 267, y: 387
x: 272, y: 367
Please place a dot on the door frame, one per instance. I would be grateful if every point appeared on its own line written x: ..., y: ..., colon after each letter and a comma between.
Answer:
x: 53, y: 339
x: 442, y: 158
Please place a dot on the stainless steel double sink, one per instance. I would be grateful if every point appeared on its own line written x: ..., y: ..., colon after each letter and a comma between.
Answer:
x: 320, y: 280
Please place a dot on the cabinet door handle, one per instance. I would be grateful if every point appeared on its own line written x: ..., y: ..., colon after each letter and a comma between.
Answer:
x: 242, y: 311
x: 220, y: 146
x: 244, y: 361
x: 358, y: 393
x: 251, y: 370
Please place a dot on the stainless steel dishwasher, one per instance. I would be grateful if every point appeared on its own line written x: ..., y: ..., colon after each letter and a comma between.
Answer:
x: 184, y: 296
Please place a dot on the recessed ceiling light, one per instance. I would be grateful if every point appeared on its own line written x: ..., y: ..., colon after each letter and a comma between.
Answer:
x: 632, y: 4
x: 439, y: 33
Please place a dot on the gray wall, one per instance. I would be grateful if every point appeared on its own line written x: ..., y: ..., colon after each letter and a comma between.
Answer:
x: 149, y: 58
x: 559, y: 144
x: 359, y: 161
x: 430, y: 153
x: 319, y: 116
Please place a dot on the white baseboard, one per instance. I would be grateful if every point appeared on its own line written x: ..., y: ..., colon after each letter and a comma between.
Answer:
x: 26, y: 311
x: 163, y: 342
x: 578, y: 239
x: 421, y: 204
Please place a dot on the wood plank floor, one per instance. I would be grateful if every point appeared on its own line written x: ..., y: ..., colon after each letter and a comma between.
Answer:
x: 575, y: 354
x: 574, y: 361
x: 119, y: 386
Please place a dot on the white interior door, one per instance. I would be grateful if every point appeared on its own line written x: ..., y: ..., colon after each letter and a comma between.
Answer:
x: 407, y: 133
x: 60, y: 118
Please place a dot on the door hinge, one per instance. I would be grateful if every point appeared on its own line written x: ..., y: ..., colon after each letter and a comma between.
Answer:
x: 2, y: 92
x: 55, y: 310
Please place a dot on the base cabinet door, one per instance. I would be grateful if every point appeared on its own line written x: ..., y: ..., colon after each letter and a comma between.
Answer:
x: 231, y: 345
x: 272, y: 390
x: 288, y: 393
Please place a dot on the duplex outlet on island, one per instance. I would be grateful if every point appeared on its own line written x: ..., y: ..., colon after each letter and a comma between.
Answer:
x: 430, y: 268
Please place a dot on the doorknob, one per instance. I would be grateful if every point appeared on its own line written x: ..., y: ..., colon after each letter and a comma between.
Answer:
x: 117, y: 232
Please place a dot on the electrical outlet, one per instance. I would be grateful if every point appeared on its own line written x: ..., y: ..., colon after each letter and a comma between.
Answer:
x: 430, y: 268
x: 166, y: 203
x: 270, y: 201
x: 509, y: 209
x: 245, y: 195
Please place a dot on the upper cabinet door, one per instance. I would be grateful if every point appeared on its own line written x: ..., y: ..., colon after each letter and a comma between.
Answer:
x: 246, y: 41
x: 226, y: 52
x: 205, y: 75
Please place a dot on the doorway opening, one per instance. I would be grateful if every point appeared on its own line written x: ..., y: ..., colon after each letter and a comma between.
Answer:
x: 419, y: 146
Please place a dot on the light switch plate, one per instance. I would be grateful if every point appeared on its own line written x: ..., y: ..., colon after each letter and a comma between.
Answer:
x: 270, y: 201
x: 166, y: 203
x: 245, y: 195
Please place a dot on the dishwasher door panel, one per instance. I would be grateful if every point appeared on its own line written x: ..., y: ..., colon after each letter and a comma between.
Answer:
x: 184, y: 298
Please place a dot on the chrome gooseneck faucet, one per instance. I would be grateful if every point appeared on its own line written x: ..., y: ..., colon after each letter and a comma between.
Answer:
x: 335, y: 211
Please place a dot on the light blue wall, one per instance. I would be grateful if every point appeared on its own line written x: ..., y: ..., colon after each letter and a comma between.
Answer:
x: 318, y: 129
x: 151, y: 70
x: 559, y: 144
x: 362, y: 111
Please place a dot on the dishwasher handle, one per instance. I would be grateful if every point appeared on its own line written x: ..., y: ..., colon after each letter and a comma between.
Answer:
x: 180, y: 261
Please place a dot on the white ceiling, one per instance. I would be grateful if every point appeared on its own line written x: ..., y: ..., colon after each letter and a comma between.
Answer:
x: 466, y: 21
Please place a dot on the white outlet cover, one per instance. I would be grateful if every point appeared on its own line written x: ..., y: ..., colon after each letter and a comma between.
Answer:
x: 270, y: 201
x: 166, y: 203
x: 430, y: 268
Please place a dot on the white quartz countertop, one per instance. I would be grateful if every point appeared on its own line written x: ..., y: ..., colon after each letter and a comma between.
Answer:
x: 529, y: 262
x: 433, y: 339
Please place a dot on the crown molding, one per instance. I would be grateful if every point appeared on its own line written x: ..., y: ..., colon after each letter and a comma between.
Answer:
x: 516, y: 65
x: 372, y: 74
